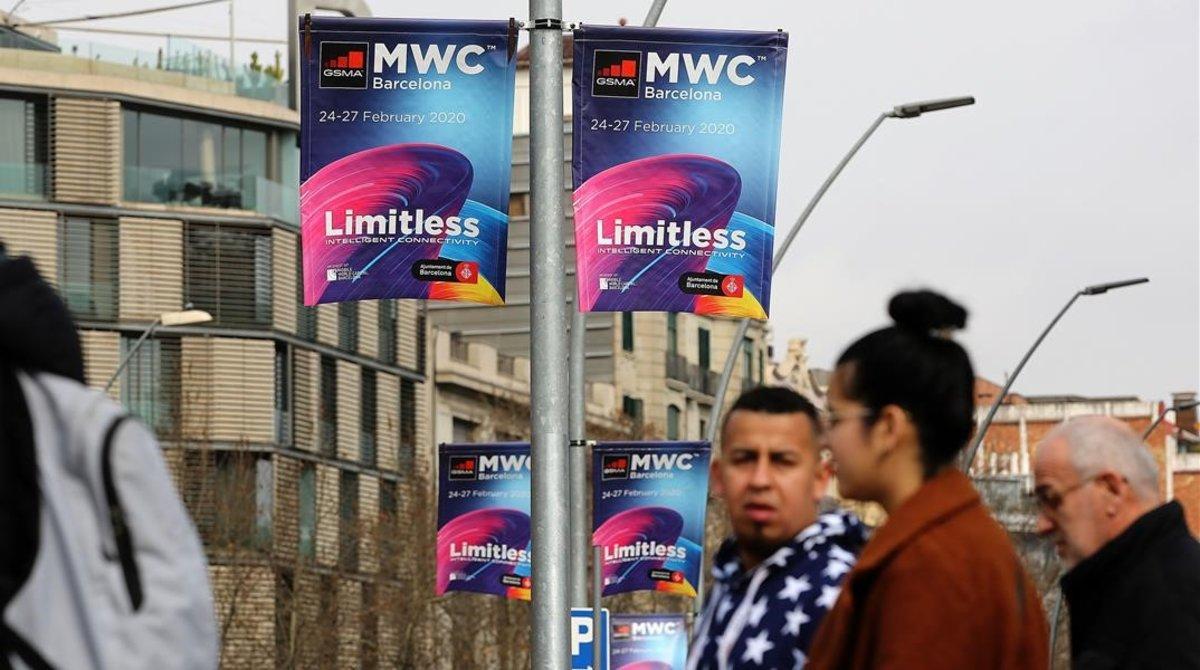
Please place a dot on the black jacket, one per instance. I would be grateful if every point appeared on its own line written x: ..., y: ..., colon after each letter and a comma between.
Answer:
x: 1136, y: 602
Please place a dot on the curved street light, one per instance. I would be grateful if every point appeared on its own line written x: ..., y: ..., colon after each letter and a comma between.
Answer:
x: 1097, y: 289
x: 1163, y: 414
x: 186, y: 317
x: 909, y: 110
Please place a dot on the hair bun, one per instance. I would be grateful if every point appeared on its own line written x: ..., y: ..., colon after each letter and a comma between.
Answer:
x: 926, y: 312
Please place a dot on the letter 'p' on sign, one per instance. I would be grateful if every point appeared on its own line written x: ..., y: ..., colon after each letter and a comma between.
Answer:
x: 583, y: 639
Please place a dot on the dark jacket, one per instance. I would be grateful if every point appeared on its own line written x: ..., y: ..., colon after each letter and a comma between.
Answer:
x: 938, y: 587
x: 1136, y: 602
x: 766, y: 617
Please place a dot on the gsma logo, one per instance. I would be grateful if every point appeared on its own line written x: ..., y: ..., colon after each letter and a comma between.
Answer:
x: 463, y: 467
x: 343, y: 65
x: 614, y: 466
x: 616, y: 74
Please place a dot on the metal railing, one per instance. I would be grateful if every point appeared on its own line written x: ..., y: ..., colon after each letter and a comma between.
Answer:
x: 698, y: 379
x: 226, y: 191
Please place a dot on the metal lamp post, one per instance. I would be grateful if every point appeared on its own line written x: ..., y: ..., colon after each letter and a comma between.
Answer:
x: 906, y: 111
x: 548, y: 316
x: 1097, y: 289
x: 186, y: 317
x: 1163, y: 414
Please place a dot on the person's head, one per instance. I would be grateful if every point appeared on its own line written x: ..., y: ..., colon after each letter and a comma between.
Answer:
x: 769, y: 471
x: 1093, y: 477
x: 901, y: 399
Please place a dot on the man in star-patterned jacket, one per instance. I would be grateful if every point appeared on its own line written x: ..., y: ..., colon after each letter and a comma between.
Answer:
x: 779, y: 574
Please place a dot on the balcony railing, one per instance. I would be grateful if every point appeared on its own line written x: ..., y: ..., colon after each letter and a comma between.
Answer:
x: 227, y: 191
x: 680, y: 370
x: 183, y: 57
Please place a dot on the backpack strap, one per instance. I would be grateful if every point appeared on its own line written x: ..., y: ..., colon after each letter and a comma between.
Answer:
x: 116, y: 514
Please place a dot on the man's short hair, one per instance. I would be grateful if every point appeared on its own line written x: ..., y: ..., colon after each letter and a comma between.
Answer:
x: 774, y: 400
x: 1099, y: 443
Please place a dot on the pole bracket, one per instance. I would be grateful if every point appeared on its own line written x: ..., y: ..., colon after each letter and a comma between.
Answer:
x: 547, y: 24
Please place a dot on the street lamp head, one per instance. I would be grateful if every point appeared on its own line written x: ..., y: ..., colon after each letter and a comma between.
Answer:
x: 1105, y: 288
x: 914, y: 109
x: 185, y: 318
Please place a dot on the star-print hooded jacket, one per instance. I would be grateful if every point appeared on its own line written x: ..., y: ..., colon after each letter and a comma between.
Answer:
x: 767, y: 617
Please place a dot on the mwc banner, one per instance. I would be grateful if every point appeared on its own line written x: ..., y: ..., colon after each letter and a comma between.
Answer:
x: 649, y: 642
x: 483, y: 540
x: 406, y: 147
x: 676, y: 156
x: 649, y: 503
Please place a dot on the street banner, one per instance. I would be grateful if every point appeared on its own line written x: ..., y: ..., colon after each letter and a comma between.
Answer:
x: 649, y: 506
x: 406, y: 149
x: 675, y: 160
x: 649, y: 642
x: 483, y: 540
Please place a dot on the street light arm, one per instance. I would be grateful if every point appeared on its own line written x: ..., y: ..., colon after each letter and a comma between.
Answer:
x: 915, y: 109
x: 1105, y: 288
x: 987, y: 421
x: 1163, y: 414
x: 132, y: 351
x: 812, y: 204
x: 656, y: 10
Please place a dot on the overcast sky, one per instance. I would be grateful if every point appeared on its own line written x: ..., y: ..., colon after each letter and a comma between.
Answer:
x: 1079, y: 164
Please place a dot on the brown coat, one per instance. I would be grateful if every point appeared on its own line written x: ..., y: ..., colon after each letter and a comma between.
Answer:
x: 938, y: 586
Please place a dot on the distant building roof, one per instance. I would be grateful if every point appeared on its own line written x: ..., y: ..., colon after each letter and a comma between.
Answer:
x: 1053, y: 399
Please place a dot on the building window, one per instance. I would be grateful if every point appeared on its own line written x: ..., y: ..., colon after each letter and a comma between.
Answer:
x: 264, y: 501
x: 308, y: 510
x: 704, y: 352
x: 627, y: 331
x: 367, y: 418
x: 762, y: 368
x: 421, y: 341
x: 88, y: 267
x: 672, y: 422
x: 518, y: 204
x: 387, y: 331
x: 23, y: 146
x: 227, y: 272
x: 245, y: 498
x: 306, y: 317
x: 348, y: 325
x: 206, y: 163
x: 632, y: 407
x: 327, y: 416
x: 408, y: 426
x: 463, y: 431
x: 369, y: 615
x: 150, y: 381
x: 348, y: 529
x: 286, y: 613
x: 283, y: 394
x: 672, y: 334
x: 389, y: 532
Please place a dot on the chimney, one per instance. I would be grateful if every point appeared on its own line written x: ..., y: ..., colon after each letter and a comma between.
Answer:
x: 1185, y: 418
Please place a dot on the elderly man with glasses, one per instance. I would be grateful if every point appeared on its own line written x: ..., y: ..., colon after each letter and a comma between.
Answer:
x: 1133, y: 569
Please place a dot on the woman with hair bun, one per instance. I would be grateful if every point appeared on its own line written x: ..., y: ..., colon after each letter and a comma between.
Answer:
x: 939, y: 585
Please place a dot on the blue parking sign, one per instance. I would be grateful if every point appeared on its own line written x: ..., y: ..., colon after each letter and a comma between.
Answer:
x: 583, y: 639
